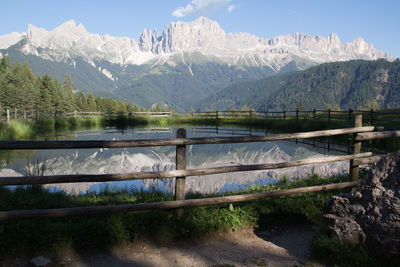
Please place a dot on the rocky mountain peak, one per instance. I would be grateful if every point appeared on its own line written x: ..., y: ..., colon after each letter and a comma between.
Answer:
x: 70, y: 27
x: 203, y: 35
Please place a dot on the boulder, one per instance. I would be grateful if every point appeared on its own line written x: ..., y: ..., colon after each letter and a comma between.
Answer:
x: 370, y: 214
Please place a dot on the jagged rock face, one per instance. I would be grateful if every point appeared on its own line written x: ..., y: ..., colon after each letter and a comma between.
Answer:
x: 203, y: 36
x: 371, y: 214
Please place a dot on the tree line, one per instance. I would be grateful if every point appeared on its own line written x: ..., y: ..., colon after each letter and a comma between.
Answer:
x: 355, y: 84
x: 21, y: 89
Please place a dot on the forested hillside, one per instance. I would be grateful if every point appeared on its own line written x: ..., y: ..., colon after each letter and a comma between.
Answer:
x: 353, y: 84
x: 20, y: 89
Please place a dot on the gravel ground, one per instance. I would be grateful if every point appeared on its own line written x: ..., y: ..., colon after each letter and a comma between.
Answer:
x: 283, y: 246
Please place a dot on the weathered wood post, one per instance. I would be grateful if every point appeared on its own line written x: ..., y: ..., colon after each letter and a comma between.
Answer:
x: 8, y: 115
x: 284, y: 115
x: 329, y: 115
x: 350, y: 112
x: 354, y: 169
x: 15, y: 113
x: 75, y: 114
x: 24, y: 115
x: 372, y: 117
x: 180, y: 165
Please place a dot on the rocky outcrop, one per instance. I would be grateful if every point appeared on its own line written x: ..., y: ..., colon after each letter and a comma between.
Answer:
x: 371, y: 214
x: 202, y: 35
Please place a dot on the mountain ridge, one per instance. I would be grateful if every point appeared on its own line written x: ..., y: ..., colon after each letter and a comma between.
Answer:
x: 186, y: 62
x: 356, y: 84
x: 202, y: 35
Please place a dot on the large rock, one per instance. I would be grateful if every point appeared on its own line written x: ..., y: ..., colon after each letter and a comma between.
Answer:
x: 371, y: 214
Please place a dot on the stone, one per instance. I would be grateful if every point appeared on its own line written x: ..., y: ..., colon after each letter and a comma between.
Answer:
x: 371, y: 214
x: 40, y: 261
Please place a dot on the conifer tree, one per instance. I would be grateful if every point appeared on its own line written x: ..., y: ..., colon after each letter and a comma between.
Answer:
x: 68, y: 94
x: 81, y: 102
x: 91, y: 103
x: 122, y: 107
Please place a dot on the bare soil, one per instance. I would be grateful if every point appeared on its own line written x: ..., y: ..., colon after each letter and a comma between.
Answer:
x: 279, y: 246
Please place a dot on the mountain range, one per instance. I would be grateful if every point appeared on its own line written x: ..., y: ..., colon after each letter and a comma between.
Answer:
x: 354, y: 84
x: 187, y: 62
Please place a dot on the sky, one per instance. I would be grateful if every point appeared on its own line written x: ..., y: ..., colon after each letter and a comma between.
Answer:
x: 378, y: 22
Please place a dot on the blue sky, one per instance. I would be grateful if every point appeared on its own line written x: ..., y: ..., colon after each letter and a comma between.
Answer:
x: 378, y: 22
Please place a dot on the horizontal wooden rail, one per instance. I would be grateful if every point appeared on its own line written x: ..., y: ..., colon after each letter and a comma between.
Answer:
x: 75, y: 178
x: 23, y: 145
x: 367, y: 160
x: 63, y: 212
x: 385, y: 120
x: 377, y: 135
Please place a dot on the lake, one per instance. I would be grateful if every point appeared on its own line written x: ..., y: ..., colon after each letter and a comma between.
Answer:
x: 95, y: 161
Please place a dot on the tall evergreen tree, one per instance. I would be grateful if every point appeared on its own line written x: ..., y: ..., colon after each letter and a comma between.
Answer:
x: 81, y: 102
x: 68, y: 94
x: 91, y: 103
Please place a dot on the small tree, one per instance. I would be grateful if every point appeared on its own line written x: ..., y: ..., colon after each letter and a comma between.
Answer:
x: 372, y: 104
x: 91, y: 103
x: 232, y: 112
x: 246, y: 110
x: 300, y: 106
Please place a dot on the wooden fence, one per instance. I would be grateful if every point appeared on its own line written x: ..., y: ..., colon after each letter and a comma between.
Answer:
x: 359, y: 134
x: 8, y: 115
x: 371, y: 116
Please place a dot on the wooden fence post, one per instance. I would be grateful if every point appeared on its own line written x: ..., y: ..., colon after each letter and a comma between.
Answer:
x: 284, y: 115
x: 180, y: 165
x: 350, y: 112
x: 15, y: 113
x: 24, y: 115
x: 297, y: 114
x: 8, y: 115
x: 75, y: 114
x: 314, y: 113
x: 372, y: 116
x: 354, y: 169
x: 216, y: 115
x: 329, y: 116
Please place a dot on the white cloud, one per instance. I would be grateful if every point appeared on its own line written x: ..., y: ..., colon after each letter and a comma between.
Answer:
x: 199, y: 7
x: 231, y: 8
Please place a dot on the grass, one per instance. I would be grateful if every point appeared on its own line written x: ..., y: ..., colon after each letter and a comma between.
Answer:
x: 48, y: 128
x: 107, y: 231
x: 112, y: 230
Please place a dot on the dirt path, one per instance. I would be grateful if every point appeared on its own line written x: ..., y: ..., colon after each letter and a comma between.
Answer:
x: 287, y: 246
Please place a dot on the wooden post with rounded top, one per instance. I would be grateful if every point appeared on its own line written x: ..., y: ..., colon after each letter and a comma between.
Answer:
x: 180, y: 165
x: 354, y: 169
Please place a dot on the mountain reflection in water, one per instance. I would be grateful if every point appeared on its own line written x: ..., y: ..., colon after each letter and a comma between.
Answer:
x: 102, y: 161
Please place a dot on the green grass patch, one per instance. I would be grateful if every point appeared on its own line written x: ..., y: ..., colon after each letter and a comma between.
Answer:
x: 48, y: 128
x: 106, y: 231
x: 33, y: 236
x: 16, y: 130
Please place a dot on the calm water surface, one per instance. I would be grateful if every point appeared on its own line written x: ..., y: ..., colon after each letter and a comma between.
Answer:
x: 94, y: 161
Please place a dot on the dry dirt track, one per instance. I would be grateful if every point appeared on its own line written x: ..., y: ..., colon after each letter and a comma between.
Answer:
x: 286, y: 246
